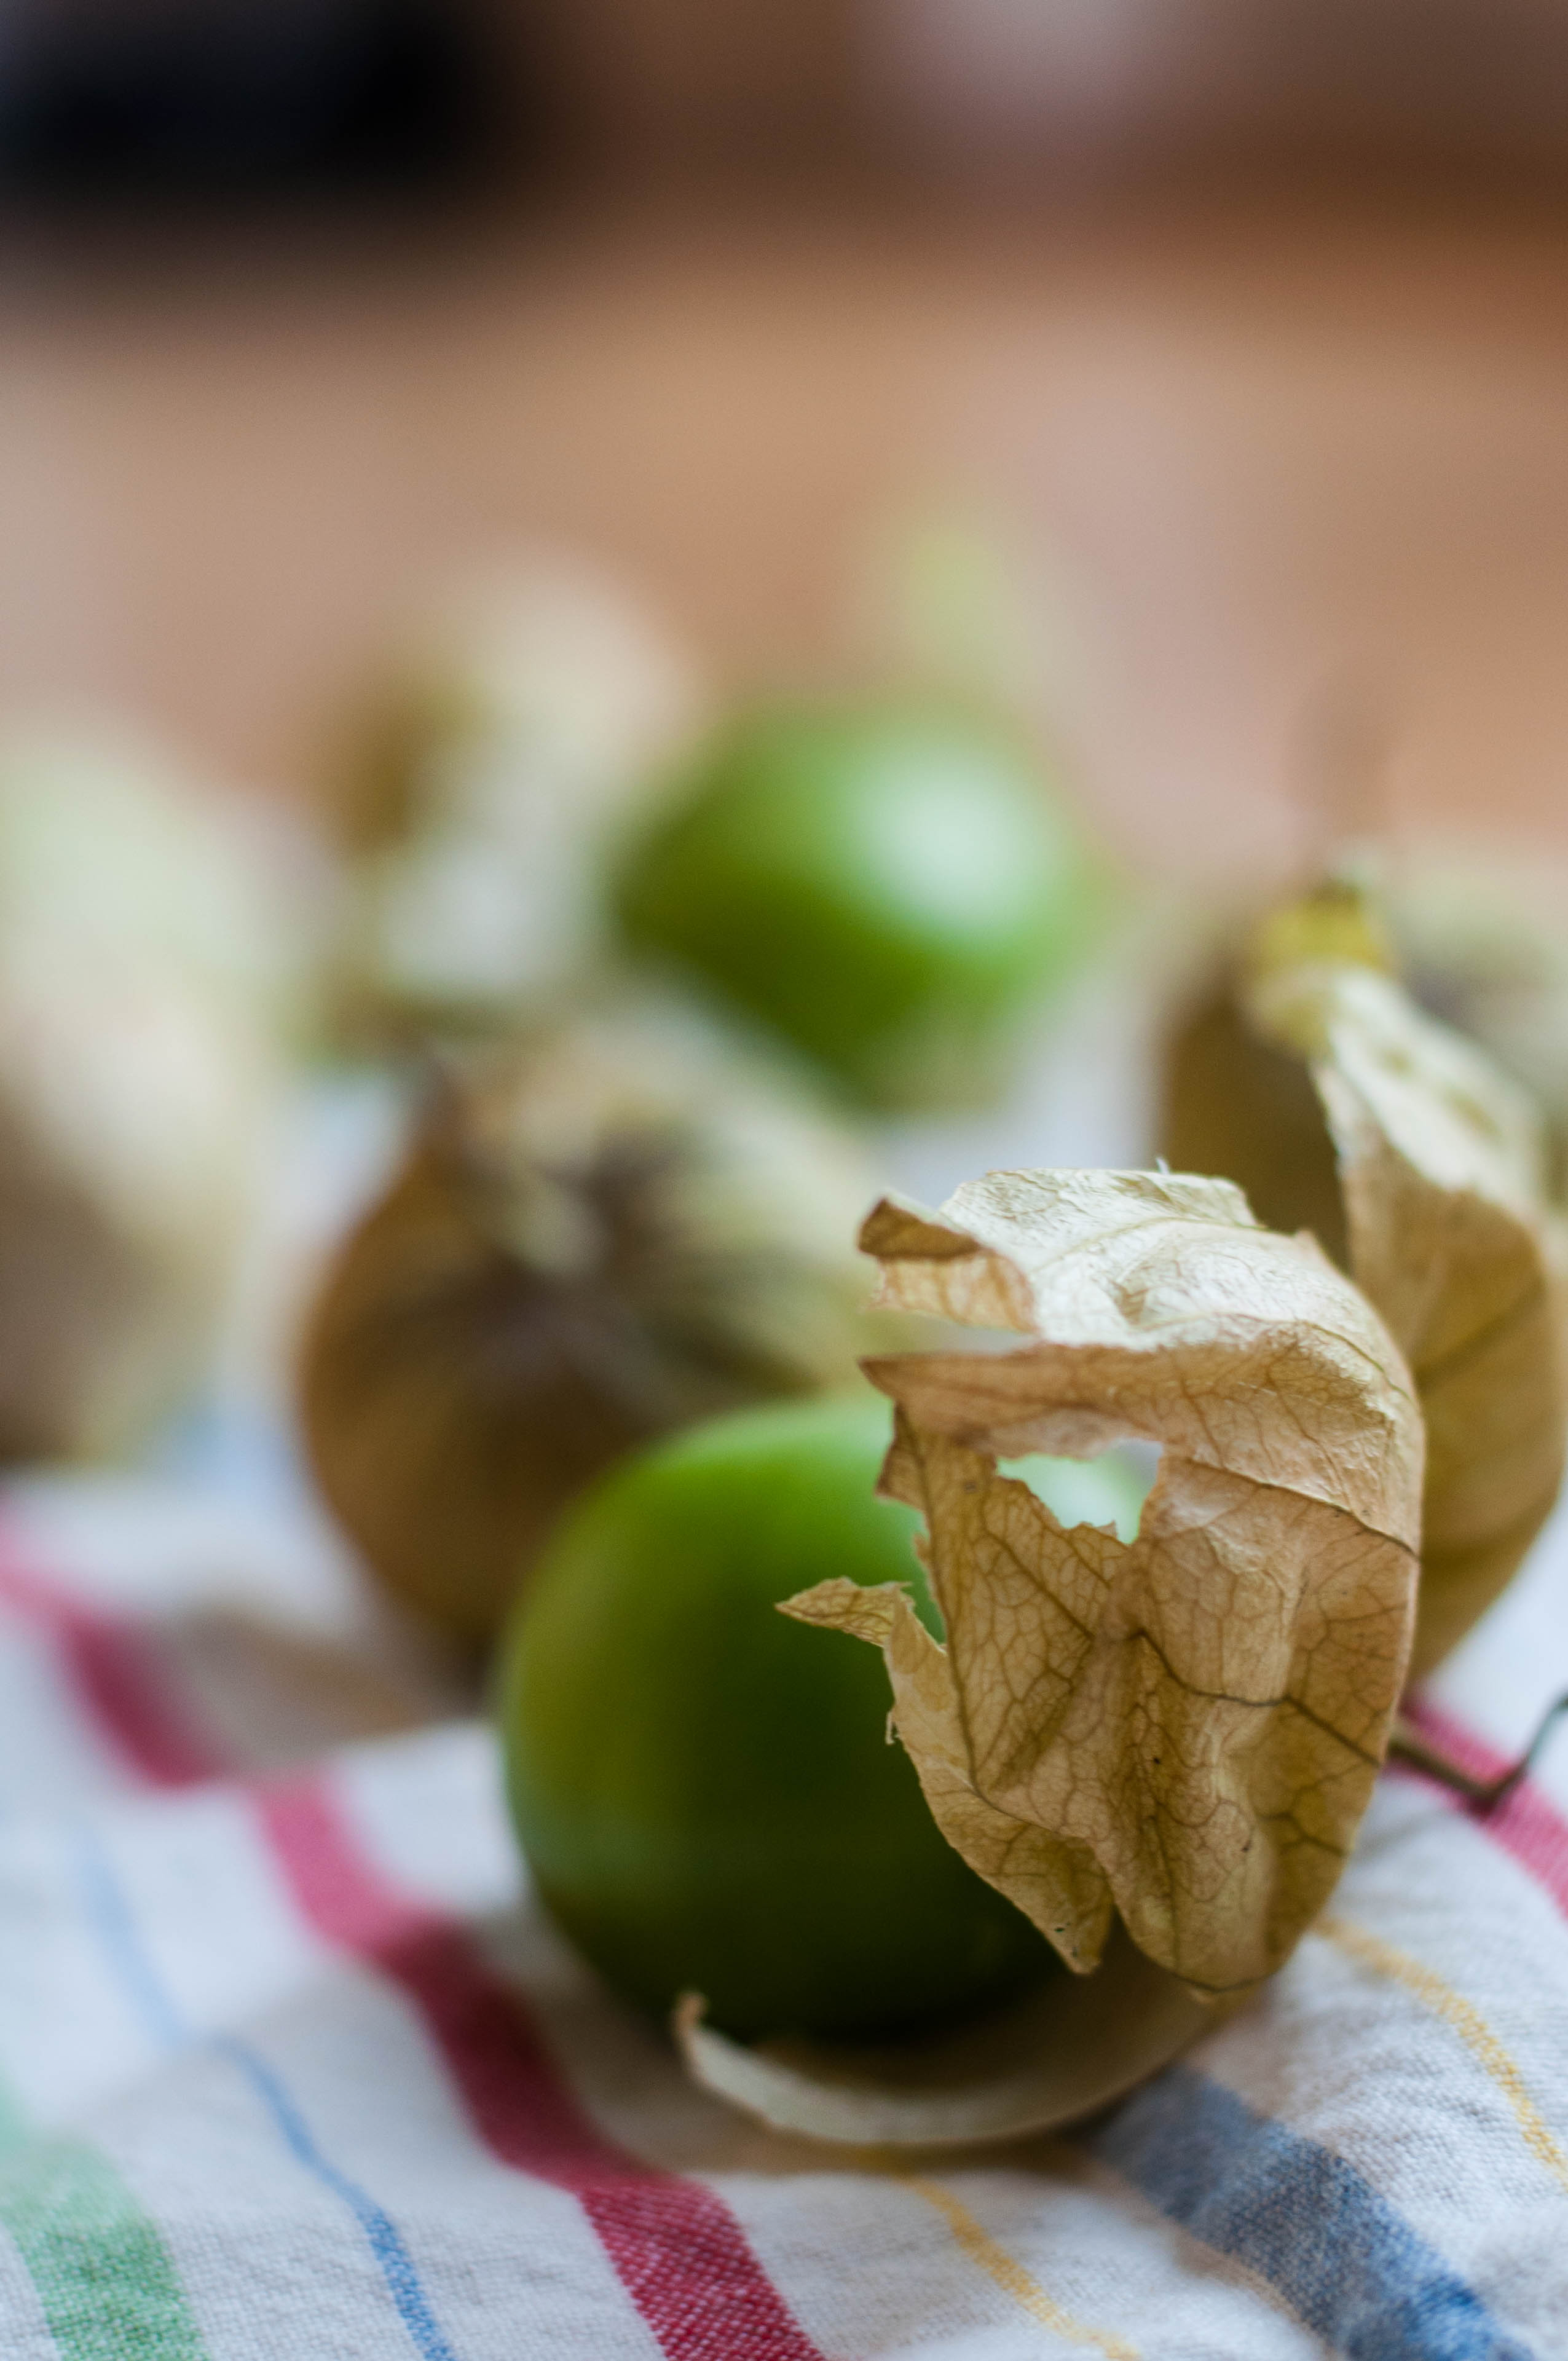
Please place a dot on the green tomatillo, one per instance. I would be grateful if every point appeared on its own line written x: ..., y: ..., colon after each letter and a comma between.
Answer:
x: 892, y: 887
x: 705, y: 1789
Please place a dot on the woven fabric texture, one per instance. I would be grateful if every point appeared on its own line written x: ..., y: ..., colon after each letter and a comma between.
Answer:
x: 290, y: 2071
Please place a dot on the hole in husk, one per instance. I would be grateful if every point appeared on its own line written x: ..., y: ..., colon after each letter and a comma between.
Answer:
x: 1081, y: 1491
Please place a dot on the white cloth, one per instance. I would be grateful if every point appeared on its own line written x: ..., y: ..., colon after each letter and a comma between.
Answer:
x: 290, y: 2070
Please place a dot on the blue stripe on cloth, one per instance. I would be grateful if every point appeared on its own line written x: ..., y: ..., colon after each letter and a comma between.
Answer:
x: 1344, y: 2260
x: 396, y: 2262
x: 109, y: 1914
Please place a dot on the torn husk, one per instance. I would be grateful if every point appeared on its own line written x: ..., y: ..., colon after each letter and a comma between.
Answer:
x: 1159, y: 1751
x: 1183, y: 1731
x: 1046, y: 2060
x: 1336, y: 1102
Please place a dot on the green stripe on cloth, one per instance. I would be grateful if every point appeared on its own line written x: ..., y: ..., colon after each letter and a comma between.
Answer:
x: 102, y: 2275
x: 104, y: 2278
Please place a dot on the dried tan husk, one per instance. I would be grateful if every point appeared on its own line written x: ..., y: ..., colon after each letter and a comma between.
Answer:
x: 1183, y: 1732
x: 1317, y: 1083
x: 1240, y: 1106
x: 480, y: 785
x: 116, y: 1257
x: 1442, y: 1160
x: 1478, y: 928
x: 550, y: 657
x: 606, y: 1230
x: 139, y: 999
x: 1058, y: 2055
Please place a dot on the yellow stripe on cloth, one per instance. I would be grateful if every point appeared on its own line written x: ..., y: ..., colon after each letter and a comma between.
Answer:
x: 1464, y: 2018
x: 1010, y: 2274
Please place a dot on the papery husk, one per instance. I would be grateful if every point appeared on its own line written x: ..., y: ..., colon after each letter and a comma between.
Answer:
x: 1477, y: 927
x: 1238, y: 1105
x: 609, y: 1228
x: 1181, y: 1732
x: 1048, y: 2059
x: 479, y: 785
x: 140, y: 997
x: 1315, y: 1082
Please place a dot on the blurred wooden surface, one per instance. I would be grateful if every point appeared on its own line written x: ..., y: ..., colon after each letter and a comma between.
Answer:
x: 1269, y: 456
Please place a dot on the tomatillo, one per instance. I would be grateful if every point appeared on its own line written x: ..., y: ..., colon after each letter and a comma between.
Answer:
x: 891, y: 888
x: 704, y: 1788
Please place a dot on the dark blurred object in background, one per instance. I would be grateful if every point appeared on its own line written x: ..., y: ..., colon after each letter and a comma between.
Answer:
x: 203, y: 98
x: 214, y: 98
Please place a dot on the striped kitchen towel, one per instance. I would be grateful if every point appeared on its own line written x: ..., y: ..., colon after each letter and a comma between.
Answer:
x: 290, y: 2071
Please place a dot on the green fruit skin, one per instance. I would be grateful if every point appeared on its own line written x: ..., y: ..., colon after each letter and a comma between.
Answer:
x: 703, y: 1787
x: 890, y: 888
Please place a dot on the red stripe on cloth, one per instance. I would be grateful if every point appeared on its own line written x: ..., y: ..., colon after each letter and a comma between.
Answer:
x: 1526, y: 1825
x: 677, y: 2249
x: 120, y: 1675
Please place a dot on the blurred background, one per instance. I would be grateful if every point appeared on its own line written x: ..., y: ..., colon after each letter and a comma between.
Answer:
x: 1241, y: 320
x: 1184, y: 382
